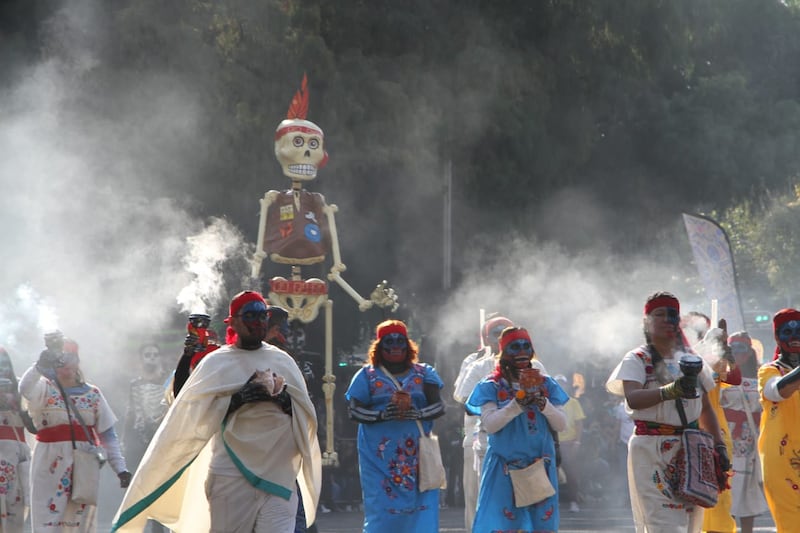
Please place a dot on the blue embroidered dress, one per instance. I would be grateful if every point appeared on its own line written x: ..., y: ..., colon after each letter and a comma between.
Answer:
x: 518, y: 444
x: 387, y: 455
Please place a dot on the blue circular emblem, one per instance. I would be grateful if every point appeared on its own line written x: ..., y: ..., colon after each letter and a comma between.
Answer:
x: 312, y: 233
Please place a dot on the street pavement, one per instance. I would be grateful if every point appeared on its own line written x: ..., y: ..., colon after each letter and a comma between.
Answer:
x: 451, y: 520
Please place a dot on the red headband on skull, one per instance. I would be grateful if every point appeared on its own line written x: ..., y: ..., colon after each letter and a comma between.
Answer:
x: 514, y: 335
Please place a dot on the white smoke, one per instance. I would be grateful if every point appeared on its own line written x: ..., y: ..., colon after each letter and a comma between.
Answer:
x: 207, y: 253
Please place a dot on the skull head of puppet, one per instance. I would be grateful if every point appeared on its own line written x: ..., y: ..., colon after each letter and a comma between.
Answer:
x: 516, y: 350
x: 786, y: 327
x: 299, y: 149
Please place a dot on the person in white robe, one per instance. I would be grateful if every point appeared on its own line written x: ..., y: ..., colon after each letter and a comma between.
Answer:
x: 239, y: 438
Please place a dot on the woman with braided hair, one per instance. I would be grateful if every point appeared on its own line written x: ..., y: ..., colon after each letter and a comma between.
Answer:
x: 652, y: 382
x: 519, y: 414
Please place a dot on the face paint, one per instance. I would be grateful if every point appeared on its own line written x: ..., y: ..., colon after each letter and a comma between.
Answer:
x: 663, y: 322
x: 520, y: 351
x: 395, y: 347
x: 673, y: 317
x: 254, y: 319
x: 789, y: 337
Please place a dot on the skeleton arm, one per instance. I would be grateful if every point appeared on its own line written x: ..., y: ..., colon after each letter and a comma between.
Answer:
x: 260, y: 255
x: 381, y: 295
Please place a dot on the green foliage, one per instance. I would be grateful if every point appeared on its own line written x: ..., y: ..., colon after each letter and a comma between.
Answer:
x: 649, y: 106
x: 766, y: 246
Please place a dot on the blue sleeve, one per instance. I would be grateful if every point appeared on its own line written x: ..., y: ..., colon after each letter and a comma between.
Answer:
x: 359, y: 388
x: 431, y: 376
x: 485, y: 391
x: 557, y: 395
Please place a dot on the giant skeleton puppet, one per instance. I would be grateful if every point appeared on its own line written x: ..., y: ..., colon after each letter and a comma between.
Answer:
x: 298, y: 228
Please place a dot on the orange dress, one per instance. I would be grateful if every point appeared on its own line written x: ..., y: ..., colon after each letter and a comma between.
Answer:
x: 779, y: 448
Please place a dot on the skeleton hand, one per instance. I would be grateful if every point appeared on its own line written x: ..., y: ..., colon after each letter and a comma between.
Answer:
x: 384, y: 296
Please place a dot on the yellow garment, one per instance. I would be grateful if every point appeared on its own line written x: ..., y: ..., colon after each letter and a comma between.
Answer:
x: 779, y: 448
x: 274, y: 449
x: 718, y: 518
x: 574, y: 413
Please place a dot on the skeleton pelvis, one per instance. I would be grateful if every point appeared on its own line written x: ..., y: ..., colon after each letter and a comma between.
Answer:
x: 301, y: 299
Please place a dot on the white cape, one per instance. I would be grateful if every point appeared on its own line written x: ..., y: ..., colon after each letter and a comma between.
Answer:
x: 169, y: 484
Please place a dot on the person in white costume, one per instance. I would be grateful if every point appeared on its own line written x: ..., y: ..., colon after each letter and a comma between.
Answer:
x: 474, y: 368
x: 86, y: 421
x: 241, y: 434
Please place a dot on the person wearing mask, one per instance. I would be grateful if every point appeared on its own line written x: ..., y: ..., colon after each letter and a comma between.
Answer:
x: 474, y: 368
x: 48, y: 385
x: 387, y: 397
x: 570, y: 442
x: 146, y: 409
x: 650, y: 379
x: 743, y: 412
x: 246, y: 407
x: 14, y: 451
x: 520, y: 419
x: 779, y: 442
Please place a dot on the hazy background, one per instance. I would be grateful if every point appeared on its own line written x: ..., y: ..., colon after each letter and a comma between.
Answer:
x: 136, y: 138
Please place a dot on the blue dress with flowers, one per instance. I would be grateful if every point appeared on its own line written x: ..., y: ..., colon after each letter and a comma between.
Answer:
x: 518, y: 444
x: 387, y: 454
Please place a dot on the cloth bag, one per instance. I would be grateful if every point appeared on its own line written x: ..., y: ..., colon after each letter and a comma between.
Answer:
x: 429, y: 462
x: 695, y: 463
x: 531, y: 484
x: 85, y: 476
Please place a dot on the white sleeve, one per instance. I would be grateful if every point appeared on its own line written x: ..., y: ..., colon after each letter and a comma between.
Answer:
x: 31, y: 386
x: 494, y: 419
x: 771, y: 390
x: 555, y: 416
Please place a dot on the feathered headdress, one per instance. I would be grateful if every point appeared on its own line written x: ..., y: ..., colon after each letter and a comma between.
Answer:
x: 299, y: 106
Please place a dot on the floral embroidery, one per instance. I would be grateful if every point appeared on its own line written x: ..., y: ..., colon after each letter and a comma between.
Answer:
x: 402, y: 466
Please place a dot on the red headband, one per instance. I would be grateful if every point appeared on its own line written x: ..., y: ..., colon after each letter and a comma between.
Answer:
x: 384, y: 329
x: 783, y: 316
x: 492, y: 323
x: 738, y: 338
x: 514, y: 335
x: 297, y: 127
x: 241, y: 299
x: 662, y: 301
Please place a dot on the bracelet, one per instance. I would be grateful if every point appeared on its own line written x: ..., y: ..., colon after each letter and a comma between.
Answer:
x: 661, y: 394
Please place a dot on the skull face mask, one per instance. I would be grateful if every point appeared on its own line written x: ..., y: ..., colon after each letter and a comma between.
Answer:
x: 394, y: 347
x: 151, y: 359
